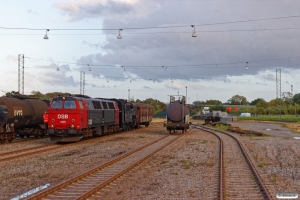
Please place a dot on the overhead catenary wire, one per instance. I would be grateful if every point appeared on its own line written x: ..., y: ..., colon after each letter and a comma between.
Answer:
x: 150, y: 27
x: 215, y: 65
x: 173, y: 32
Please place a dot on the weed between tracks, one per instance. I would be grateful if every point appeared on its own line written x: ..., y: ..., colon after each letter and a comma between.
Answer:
x: 188, y: 164
x: 262, y: 165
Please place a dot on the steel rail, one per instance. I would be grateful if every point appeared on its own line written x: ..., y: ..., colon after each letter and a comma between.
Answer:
x: 221, y: 164
x: 30, y: 153
x: 35, y: 152
x: 70, y: 181
x: 22, y: 150
x: 97, y: 188
x: 246, y: 156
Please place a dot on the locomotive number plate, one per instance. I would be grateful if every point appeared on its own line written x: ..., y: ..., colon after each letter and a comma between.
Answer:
x: 62, y: 116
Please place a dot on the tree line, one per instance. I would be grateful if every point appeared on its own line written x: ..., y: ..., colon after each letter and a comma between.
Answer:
x: 288, y: 105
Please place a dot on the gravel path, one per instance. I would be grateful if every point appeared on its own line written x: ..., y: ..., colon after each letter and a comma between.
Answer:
x: 276, y: 156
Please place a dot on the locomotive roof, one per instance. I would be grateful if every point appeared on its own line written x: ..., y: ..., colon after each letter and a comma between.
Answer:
x: 80, y: 98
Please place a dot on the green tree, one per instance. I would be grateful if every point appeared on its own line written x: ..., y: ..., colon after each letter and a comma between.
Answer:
x: 261, y: 111
x: 287, y: 97
x: 198, y: 103
x: 217, y: 108
x: 296, y: 98
x: 238, y: 100
x: 262, y: 104
x: 254, y: 102
x: 213, y: 102
x: 37, y: 94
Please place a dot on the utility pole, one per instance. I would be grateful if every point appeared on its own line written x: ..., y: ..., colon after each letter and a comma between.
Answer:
x: 186, y: 93
x: 21, y: 74
x: 278, y: 89
x: 292, y: 97
x: 128, y: 95
x: 82, y: 82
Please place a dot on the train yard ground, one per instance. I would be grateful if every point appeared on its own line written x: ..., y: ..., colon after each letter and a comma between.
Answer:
x: 186, y: 169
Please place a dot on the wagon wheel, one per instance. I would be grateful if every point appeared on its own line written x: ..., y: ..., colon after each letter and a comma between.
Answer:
x: 22, y: 136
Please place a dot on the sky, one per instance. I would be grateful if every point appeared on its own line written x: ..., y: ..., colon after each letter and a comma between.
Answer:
x: 239, y: 46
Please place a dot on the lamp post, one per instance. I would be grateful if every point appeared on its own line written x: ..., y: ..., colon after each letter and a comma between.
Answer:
x: 186, y: 93
x: 128, y: 95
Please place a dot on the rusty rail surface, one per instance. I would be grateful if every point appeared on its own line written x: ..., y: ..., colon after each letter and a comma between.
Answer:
x: 221, y: 166
x: 56, y: 188
x: 28, y: 153
x: 21, y: 154
x: 22, y: 150
x: 247, y: 158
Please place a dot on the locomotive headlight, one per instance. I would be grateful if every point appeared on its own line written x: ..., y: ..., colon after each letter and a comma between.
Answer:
x: 72, y: 126
x: 52, y: 126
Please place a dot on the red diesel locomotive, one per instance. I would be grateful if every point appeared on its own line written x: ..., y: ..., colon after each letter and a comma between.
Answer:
x: 74, y: 118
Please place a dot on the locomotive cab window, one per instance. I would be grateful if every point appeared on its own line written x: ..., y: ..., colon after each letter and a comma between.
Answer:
x: 70, y: 105
x: 81, y: 105
x: 104, y: 105
x: 56, y: 104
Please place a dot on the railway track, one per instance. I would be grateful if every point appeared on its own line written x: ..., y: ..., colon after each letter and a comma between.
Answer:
x: 19, y: 139
x: 238, y: 177
x: 28, y: 151
x: 86, y: 186
x: 39, y: 149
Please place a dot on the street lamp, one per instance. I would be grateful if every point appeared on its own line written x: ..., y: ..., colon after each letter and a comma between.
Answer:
x: 186, y: 92
x: 128, y: 95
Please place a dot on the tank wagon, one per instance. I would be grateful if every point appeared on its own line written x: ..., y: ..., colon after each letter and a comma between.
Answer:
x: 177, y: 114
x: 77, y: 117
x: 22, y: 116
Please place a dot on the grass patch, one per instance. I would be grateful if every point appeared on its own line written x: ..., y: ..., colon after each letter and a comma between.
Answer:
x: 262, y: 165
x: 167, y: 159
x: 221, y: 127
x: 204, y: 141
x: 188, y: 164
x: 283, y: 118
